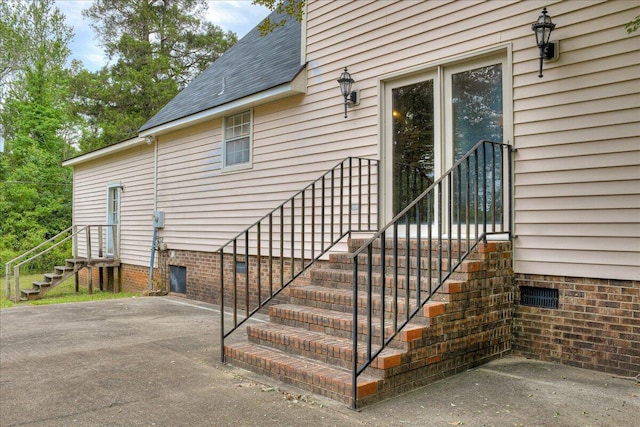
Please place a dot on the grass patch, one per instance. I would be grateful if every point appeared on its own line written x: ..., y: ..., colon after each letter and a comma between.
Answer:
x: 63, y: 293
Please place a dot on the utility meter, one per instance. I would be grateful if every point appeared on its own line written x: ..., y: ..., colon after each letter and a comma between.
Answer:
x: 158, y: 219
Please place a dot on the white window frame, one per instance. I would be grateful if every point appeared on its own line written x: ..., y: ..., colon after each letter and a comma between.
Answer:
x: 226, y: 139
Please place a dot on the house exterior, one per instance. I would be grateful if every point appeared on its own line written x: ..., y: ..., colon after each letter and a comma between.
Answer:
x: 268, y: 118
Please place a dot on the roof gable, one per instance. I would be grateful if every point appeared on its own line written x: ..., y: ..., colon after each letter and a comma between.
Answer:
x: 254, y: 64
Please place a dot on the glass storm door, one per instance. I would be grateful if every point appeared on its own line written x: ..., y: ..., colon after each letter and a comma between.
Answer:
x: 434, y: 119
x: 475, y: 112
x: 113, y: 216
x: 413, y: 152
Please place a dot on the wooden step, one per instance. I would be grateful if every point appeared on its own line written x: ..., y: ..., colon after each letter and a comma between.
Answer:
x: 335, y: 351
x: 62, y: 269
x: 52, y: 276
x: 320, y: 378
x: 41, y: 284
x: 30, y: 294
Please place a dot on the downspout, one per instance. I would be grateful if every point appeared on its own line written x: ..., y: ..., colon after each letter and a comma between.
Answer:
x: 153, y: 140
x: 153, y: 256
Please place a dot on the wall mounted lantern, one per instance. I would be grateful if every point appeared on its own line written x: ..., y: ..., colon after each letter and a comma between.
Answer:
x: 549, y: 50
x: 350, y: 97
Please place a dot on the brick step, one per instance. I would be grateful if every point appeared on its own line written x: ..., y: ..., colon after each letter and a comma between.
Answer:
x: 401, y: 243
x: 342, y: 278
x: 345, y: 261
x: 320, y: 378
x: 335, y: 351
x: 337, y: 323
x: 341, y: 300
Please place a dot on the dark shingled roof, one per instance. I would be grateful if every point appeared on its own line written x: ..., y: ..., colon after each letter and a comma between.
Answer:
x: 254, y: 64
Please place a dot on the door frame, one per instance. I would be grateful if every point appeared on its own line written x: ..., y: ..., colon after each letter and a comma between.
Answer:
x: 113, y: 188
x: 442, y: 149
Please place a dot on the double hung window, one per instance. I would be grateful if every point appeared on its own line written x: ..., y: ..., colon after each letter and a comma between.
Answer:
x: 236, y: 149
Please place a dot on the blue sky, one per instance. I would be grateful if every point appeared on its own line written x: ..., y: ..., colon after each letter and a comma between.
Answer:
x: 238, y: 16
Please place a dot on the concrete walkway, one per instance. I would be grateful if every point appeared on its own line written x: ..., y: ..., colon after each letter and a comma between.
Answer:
x: 155, y: 362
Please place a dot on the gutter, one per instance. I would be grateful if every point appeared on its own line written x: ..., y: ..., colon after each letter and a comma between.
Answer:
x: 111, y: 149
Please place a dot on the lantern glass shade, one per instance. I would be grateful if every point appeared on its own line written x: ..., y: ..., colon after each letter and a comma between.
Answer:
x: 345, y: 82
x: 543, y: 27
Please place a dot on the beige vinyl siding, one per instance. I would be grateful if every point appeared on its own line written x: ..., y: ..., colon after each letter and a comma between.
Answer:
x: 577, y: 130
x: 206, y: 207
x: 577, y: 205
x: 133, y: 169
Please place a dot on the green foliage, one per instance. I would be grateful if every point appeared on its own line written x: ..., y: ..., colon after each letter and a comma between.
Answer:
x: 63, y: 293
x: 633, y: 25
x: 35, y: 114
x: 155, y: 48
x: 292, y: 8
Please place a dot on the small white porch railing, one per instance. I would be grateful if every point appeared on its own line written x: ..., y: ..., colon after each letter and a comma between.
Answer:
x: 91, y: 248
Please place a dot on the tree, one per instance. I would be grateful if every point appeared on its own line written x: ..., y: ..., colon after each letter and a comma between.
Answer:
x: 35, y: 192
x: 155, y: 47
x: 292, y: 8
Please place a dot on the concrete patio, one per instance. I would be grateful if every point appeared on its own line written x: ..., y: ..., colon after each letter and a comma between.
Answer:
x: 155, y: 361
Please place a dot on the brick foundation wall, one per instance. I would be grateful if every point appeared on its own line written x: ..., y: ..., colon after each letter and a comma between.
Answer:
x: 135, y: 278
x: 132, y: 278
x: 203, y: 276
x: 202, y: 273
x: 596, y: 325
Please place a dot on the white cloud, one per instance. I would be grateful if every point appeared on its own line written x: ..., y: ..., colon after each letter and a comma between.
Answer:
x: 239, y: 16
x: 84, y: 45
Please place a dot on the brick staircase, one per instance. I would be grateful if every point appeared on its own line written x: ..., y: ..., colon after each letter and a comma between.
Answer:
x: 308, y: 340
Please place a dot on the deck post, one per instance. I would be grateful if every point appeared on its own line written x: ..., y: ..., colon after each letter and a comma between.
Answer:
x: 16, y: 276
x: 89, y: 270
x: 7, y: 272
x: 116, y: 279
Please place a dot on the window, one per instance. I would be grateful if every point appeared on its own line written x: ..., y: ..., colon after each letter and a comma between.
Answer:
x: 236, y: 149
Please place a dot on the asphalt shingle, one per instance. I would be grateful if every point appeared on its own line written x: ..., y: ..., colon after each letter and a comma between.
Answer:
x: 254, y: 64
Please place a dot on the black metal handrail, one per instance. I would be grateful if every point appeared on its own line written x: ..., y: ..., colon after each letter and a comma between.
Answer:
x: 282, y: 245
x: 467, y: 200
